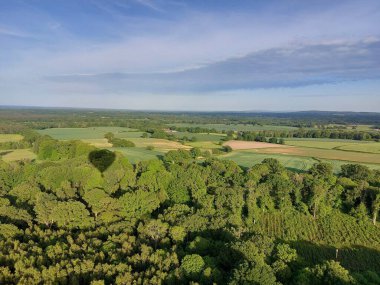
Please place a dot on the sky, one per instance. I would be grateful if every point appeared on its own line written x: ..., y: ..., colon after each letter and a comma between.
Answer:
x: 199, y: 55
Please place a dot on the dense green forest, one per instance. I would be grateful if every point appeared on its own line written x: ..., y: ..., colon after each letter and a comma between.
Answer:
x: 70, y: 117
x: 82, y: 215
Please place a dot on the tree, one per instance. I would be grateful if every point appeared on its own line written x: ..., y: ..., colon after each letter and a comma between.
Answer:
x: 316, y: 190
x: 328, y: 273
x: 139, y: 203
x: 178, y: 192
x: 95, y: 200
x: 227, y: 148
x: 355, y: 172
x: 375, y: 207
x: 360, y: 213
x: 256, y: 272
x: 154, y: 230
x: 109, y: 136
x: 71, y: 215
x: 177, y: 233
x: 119, y: 175
x: 284, y: 256
x: 45, y: 206
x: 25, y: 193
x: 273, y: 140
x: 192, y: 266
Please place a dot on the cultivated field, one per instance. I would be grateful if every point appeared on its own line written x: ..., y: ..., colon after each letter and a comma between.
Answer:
x: 236, y: 145
x: 319, y: 153
x: 349, y: 145
x: 88, y: 133
x: 162, y: 144
x: 236, y: 127
x: 136, y: 154
x: 10, y: 138
x: 298, y: 154
x: 17, y: 154
x: 200, y: 136
x: 248, y: 158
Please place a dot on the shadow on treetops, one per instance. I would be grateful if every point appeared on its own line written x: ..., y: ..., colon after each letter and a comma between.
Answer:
x: 101, y: 159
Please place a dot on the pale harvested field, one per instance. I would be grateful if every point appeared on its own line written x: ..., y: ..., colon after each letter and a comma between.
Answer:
x: 239, y: 145
x: 100, y: 143
x: 10, y: 138
x: 161, y: 144
x: 324, y: 154
x: 17, y: 154
x: 333, y: 154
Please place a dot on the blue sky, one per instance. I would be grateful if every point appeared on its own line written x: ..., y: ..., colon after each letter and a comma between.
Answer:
x: 280, y: 55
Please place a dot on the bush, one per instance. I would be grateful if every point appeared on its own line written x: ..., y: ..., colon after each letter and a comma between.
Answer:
x: 121, y: 143
x: 227, y: 148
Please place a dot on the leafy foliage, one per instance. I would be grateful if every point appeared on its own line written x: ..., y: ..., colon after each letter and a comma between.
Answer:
x: 78, y: 219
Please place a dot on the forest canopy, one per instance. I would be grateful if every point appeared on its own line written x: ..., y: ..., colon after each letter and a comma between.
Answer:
x: 88, y: 216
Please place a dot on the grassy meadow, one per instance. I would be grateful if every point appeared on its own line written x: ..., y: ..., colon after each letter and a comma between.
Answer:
x: 10, y: 138
x: 346, y: 145
x: 248, y: 158
x: 88, y: 133
x: 136, y: 154
x: 236, y: 127
x: 201, y: 137
x: 297, y: 154
x: 17, y: 154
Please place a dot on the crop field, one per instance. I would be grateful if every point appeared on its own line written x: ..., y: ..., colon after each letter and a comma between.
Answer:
x: 200, y: 136
x: 348, y: 145
x: 320, y: 143
x: 317, y: 240
x: 204, y: 144
x: 298, y: 154
x: 251, y: 145
x: 161, y: 144
x: 319, y: 153
x: 17, y: 154
x: 136, y: 154
x: 368, y: 147
x: 10, y: 138
x: 87, y: 133
x: 248, y: 158
x: 236, y: 127
x: 325, y: 154
x: 99, y: 143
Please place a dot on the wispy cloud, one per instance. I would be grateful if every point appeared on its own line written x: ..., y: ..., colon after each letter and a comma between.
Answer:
x: 150, y: 4
x: 188, y: 47
x: 279, y: 67
x: 13, y: 33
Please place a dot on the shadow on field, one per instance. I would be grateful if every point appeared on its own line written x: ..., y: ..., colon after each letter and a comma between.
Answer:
x: 355, y: 257
x: 101, y: 159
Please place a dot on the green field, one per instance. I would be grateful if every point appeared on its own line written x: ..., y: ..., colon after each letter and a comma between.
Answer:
x: 369, y: 147
x: 202, y: 137
x: 88, y: 133
x: 204, y: 145
x: 10, y: 138
x: 347, y: 145
x: 305, y: 153
x: 17, y: 154
x: 136, y: 154
x: 248, y: 158
x: 236, y: 127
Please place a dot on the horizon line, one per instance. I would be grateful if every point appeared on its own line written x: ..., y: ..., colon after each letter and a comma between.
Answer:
x: 2, y: 107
